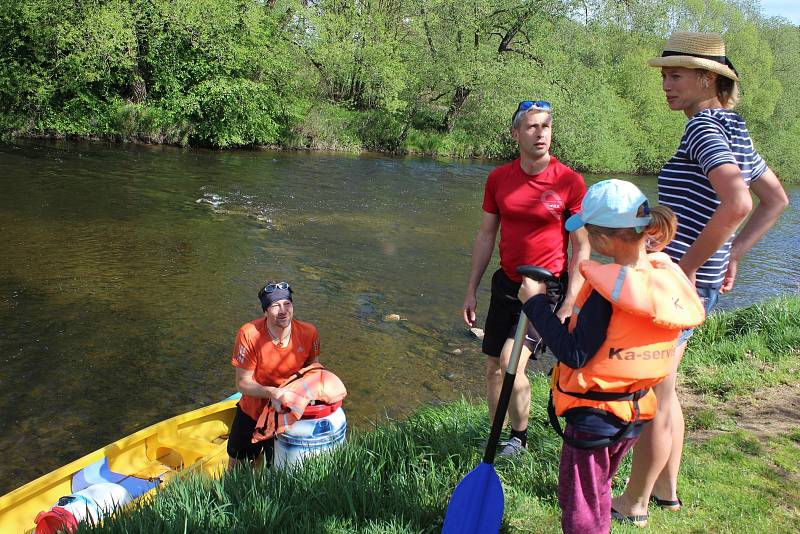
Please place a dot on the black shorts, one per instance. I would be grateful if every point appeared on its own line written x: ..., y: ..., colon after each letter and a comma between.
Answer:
x: 504, y: 310
x: 239, y: 445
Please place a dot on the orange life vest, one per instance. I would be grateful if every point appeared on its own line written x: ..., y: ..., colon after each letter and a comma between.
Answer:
x: 313, y: 383
x: 649, y: 308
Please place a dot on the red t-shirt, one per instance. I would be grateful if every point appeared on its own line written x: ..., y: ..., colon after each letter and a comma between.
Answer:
x: 271, y: 365
x: 532, y: 210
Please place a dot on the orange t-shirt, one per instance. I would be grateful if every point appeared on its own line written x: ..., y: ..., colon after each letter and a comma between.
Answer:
x: 271, y: 365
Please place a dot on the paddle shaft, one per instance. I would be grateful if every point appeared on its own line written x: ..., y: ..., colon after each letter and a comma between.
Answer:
x: 505, y: 391
x: 542, y: 275
x: 476, y: 506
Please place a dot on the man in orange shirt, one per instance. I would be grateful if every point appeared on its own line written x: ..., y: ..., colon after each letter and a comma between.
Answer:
x: 267, y: 351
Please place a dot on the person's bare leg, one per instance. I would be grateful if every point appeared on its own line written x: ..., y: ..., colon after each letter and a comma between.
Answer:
x: 650, y: 455
x: 519, y: 405
x: 655, y: 450
x: 494, y: 382
x: 666, y: 485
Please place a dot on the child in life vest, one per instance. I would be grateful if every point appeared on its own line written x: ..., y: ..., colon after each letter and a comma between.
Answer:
x: 620, y: 341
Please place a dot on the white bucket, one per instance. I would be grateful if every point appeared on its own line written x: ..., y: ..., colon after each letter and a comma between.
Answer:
x: 87, y: 505
x: 307, y: 437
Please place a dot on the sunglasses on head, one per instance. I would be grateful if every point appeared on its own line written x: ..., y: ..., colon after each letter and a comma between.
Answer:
x: 540, y: 105
x: 544, y: 105
x: 269, y: 288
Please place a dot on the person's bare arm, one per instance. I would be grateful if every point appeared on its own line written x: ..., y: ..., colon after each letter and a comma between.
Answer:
x: 481, y: 254
x: 772, y: 200
x: 579, y: 243
x: 735, y: 204
x: 246, y: 385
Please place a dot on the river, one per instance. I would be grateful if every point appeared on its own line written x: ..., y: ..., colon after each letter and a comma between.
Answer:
x: 127, y: 269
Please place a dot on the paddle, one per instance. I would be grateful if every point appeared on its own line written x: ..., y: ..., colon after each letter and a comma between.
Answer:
x: 476, y: 506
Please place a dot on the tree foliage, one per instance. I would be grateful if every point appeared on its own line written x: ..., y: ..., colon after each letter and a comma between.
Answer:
x: 436, y: 76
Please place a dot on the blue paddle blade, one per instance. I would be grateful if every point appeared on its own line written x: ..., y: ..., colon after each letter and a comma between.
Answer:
x: 476, y: 506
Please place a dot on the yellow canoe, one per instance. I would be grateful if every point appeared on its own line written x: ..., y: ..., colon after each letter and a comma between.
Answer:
x: 192, y: 442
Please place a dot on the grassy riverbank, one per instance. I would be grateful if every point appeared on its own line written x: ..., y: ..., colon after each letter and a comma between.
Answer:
x: 398, y: 478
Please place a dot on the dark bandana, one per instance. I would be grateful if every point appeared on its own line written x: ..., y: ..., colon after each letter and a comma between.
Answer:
x: 268, y: 299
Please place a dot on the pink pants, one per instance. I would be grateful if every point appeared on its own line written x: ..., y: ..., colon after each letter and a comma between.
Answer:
x: 584, y: 484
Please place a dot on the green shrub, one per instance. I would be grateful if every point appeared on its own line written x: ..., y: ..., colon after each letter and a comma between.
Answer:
x: 326, y: 126
x: 423, y: 142
x: 153, y: 125
x: 235, y: 112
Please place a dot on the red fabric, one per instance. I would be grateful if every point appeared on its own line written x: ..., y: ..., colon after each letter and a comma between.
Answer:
x: 55, y: 520
x: 584, y: 483
x: 318, y: 411
x: 532, y: 210
x: 272, y: 365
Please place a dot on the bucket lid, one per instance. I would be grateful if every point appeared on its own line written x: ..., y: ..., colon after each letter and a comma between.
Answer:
x: 318, y: 411
x: 55, y: 520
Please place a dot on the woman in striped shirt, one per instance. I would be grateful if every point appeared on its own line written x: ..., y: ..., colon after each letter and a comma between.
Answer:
x: 707, y: 183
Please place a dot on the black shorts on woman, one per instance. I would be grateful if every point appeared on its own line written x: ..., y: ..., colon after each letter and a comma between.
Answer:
x: 504, y: 310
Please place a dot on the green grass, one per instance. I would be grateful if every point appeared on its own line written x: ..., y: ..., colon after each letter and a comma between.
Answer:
x: 393, y: 479
x: 732, y: 484
x: 398, y: 478
x: 737, y: 352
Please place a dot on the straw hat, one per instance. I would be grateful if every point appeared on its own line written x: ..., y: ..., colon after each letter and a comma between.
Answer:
x: 696, y: 51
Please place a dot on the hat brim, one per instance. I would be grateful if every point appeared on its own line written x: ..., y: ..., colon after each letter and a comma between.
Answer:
x: 574, y: 222
x: 691, y: 62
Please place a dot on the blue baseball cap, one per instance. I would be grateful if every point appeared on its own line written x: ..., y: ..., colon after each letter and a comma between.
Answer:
x: 611, y: 204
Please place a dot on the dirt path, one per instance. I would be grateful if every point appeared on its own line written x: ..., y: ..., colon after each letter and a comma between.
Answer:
x: 768, y: 412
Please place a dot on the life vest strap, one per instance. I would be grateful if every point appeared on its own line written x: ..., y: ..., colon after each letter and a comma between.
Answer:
x: 301, y: 373
x: 592, y: 443
x: 606, y: 396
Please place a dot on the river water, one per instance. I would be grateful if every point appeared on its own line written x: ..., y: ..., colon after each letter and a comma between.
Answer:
x: 126, y: 271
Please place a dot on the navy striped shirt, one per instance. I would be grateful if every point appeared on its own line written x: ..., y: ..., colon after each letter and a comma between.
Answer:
x: 712, y: 138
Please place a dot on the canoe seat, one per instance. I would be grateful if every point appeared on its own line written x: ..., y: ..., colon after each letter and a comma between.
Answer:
x: 190, y: 449
x: 100, y: 471
x: 154, y: 470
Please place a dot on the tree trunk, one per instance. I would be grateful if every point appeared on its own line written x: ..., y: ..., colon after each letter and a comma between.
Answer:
x: 138, y: 87
x: 459, y: 97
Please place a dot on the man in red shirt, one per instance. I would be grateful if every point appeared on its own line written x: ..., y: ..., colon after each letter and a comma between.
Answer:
x: 528, y: 201
x: 267, y: 351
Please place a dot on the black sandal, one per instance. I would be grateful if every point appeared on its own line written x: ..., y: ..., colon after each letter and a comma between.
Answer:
x: 667, y: 503
x: 635, y: 520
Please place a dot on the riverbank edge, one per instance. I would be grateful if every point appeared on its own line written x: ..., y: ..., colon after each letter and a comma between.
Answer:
x: 322, y: 148
x: 9, y: 137
x: 398, y: 477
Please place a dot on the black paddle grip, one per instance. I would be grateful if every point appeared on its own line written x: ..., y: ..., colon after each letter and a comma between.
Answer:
x: 540, y: 274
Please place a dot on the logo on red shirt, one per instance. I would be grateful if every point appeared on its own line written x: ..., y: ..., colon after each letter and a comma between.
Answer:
x: 552, y: 201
